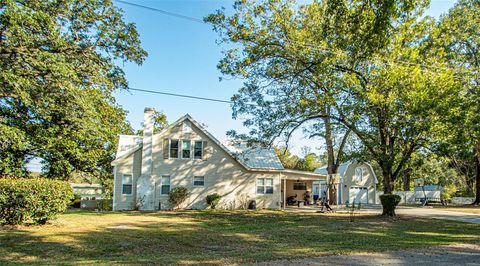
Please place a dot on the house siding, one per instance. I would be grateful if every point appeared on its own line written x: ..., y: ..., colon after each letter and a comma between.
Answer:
x: 131, y: 164
x: 368, y: 181
x: 223, y: 175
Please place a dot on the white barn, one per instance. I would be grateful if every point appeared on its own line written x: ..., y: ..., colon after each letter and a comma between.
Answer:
x: 357, y: 182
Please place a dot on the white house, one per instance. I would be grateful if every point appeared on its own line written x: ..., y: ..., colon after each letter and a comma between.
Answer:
x: 184, y: 154
x: 357, y: 182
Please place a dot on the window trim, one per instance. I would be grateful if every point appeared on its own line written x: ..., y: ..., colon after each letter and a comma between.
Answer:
x: 170, y: 149
x: 181, y: 149
x: 131, y: 184
x: 201, y: 149
x: 359, y: 178
x: 264, y: 186
x: 203, y: 181
x: 169, y: 185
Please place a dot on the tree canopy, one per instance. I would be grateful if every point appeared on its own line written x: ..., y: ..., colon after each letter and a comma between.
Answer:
x: 59, y: 67
x: 349, y: 66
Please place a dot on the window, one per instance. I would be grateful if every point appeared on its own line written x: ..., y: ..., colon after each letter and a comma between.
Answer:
x: 186, y: 149
x: 299, y: 186
x: 265, y: 186
x: 174, y: 148
x: 358, y: 174
x: 199, y: 181
x: 165, y: 185
x: 127, y: 184
x: 198, y: 150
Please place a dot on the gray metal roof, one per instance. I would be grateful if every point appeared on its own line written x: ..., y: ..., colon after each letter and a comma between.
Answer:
x: 342, y: 168
x: 256, y: 157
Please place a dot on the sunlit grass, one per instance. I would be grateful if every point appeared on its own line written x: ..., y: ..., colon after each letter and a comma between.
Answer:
x: 217, y: 237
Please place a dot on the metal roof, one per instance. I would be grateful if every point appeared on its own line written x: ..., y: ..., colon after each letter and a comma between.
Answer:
x: 256, y: 157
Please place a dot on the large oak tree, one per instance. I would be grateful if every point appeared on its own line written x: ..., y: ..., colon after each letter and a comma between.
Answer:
x: 58, y: 69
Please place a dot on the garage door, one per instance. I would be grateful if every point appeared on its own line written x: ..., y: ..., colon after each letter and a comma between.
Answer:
x: 359, y: 195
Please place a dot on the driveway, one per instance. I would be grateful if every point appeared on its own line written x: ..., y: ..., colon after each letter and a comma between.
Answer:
x: 423, y: 212
x: 458, y: 254
x: 429, y: 212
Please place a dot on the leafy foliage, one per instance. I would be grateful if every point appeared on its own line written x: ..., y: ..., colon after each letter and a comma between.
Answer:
x: 389, y: 203
x: 213, y: 199
x: 177, y: 196
x: 57, y: 74
x: 33, y: 200
x: 335, y: 67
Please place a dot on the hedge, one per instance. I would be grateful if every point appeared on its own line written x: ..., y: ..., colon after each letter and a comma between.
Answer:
x: 389, y: 203
x: 33, y: 201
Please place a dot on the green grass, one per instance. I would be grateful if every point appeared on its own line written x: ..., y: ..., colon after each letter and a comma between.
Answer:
x: 217, y: 237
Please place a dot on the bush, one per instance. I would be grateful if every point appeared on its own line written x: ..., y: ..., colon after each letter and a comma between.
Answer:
x: 213, y: 199
x: 389, y: 203
x: 177, y: 196
x: 33, y: 200
x: 77, y: 200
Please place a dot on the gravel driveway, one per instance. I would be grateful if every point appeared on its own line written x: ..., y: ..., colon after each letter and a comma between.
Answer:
x: 458, y: 254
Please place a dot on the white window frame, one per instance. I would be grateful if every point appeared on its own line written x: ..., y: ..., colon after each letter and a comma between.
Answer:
x: 264, y: 186
x: 169, y: 185
x: 197, y: 177
x: 170, y: 148
x: 181, y: 149
x: 359, y: 178
x: 131, y: 184
x: 201, y: 150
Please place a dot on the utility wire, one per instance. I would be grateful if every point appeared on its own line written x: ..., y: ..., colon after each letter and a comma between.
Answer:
x: 303, y: 44
x: 182, y: 95
x: 168, y: 13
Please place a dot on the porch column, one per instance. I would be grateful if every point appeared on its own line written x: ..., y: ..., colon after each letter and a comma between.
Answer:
x: 284, y: 193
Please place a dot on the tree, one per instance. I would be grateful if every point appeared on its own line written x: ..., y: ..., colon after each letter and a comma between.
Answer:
x: 294, y: 60
x: 57, y: 74
x: 337, y: 64
x: 458, y: 39
x: 159, y: 123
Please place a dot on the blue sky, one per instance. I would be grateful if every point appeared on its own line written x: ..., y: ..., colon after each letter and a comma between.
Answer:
x: 182, y: 59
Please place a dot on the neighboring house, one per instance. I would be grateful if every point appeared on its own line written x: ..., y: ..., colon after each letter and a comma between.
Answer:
x: 357, y: 183
x: 87, y: 189
x: 185, y: 154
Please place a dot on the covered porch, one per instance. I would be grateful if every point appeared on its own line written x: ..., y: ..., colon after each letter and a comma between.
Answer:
x: 302, y: 189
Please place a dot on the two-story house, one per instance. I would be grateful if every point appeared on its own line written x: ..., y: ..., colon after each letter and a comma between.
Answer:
x: 184, y: 154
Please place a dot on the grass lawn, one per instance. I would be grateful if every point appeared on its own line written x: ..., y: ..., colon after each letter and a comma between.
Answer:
x: 219, y: 237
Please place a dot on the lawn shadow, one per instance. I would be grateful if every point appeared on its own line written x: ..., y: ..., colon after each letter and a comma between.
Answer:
x: 219, y: 237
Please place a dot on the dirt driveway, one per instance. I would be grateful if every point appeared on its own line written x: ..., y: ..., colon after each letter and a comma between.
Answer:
x: 458, y: 254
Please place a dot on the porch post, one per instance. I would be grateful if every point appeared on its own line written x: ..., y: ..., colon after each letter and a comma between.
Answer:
x: 284, y: 193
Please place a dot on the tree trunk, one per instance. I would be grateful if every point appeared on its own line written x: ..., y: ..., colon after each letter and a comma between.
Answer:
x: 477, y: 174
x: 406, y: 179
x: 331, y: 166
x: 387, y: 180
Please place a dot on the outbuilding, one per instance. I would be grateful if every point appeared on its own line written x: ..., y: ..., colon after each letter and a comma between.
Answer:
x: 357, y: 182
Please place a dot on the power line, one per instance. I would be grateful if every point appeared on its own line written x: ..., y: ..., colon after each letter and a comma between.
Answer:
x: 182, y: 95
x: 302, y: 44
x: 168, y: 13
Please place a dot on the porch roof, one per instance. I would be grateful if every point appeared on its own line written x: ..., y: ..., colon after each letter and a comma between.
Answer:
x: 289, y: 174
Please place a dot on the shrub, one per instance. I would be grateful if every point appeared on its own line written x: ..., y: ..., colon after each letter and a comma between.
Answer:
x: 389, y: 203
x: 177, y: 196
x: 33, y: 200
x: 76, y: 202
x: 213, y: 199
